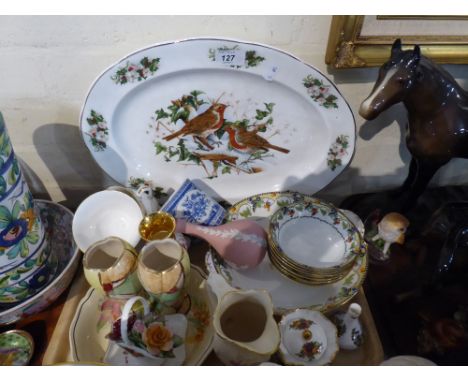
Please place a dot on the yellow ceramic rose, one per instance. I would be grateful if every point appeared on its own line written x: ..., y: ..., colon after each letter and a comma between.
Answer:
x: 158, y: 338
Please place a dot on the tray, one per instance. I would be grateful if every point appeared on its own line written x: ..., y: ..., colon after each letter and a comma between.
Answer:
x: 58, y: 350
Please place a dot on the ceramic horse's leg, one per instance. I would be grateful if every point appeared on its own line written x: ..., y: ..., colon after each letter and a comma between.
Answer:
x: 421, y: 172
x: 406, y: 186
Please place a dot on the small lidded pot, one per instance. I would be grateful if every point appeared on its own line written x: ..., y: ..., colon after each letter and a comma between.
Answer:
x: 308, y: 338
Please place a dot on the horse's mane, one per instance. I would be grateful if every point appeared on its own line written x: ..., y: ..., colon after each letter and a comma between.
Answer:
x: 428, y: 66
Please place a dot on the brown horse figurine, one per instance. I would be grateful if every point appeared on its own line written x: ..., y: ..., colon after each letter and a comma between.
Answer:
x: 437, y: 106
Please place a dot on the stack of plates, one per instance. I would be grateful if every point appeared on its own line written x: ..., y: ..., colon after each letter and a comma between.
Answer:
x: 313, y: 243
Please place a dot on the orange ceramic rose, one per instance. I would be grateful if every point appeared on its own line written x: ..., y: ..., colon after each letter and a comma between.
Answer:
x: 158, y: 338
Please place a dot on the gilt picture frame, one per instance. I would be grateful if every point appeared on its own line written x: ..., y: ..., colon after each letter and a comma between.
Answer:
x: 364, y: 41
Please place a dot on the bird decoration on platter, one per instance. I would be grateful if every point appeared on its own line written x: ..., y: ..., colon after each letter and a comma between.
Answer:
x: 242, y: 139
x: 203, y: 125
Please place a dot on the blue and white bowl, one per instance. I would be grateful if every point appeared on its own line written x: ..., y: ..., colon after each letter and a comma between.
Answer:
x: 57, y: 222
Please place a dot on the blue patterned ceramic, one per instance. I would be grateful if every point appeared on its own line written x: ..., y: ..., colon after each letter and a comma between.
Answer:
x: 57, y: 221
x: 194, y: 205
x: 24, y: 267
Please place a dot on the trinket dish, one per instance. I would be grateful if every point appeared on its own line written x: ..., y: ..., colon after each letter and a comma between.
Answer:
x: 16, y: 348
x: 57, y: 222
x: 89, y: 327
x: 308, y: 338
x: 265, y: 121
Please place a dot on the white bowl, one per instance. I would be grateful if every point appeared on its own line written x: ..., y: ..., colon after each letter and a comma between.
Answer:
x: 106, y: 213
x: 314, y: 236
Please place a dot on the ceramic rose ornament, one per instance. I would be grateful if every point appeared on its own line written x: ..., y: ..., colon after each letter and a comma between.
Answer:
x: 150, y: 335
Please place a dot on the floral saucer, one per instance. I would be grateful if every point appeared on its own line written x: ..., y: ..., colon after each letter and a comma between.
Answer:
x: 57, y: 221
x: 90, y: 326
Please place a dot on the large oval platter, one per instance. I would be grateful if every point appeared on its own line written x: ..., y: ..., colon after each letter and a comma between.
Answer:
x: 254, y: 119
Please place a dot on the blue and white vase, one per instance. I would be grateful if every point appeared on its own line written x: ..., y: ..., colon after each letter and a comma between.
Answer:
x: 24, y: 268
x: 194, y: 205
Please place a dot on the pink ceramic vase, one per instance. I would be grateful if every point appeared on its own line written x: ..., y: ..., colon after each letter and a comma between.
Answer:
x: 241, y: 243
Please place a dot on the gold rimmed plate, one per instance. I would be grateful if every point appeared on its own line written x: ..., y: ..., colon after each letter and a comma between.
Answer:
x: 305, y: 279
x: 298, y: 268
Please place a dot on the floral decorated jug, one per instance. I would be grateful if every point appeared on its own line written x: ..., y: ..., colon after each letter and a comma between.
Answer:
x: 246, y: 331
x: 163, y: 270
x: 110, y: 266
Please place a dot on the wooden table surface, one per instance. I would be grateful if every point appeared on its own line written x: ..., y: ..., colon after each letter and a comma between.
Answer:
x: 50, y: 328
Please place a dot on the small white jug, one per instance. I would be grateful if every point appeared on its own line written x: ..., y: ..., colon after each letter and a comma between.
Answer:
x: 246, y: 331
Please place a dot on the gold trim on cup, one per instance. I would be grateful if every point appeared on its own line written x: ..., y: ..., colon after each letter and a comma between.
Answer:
x: 157, y: 226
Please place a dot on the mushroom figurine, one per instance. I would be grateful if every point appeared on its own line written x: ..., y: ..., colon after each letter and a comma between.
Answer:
x: 391, y: 229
